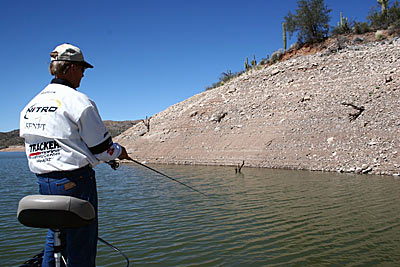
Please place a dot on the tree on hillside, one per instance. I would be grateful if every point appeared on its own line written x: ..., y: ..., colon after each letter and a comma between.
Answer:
x: 310, y: 21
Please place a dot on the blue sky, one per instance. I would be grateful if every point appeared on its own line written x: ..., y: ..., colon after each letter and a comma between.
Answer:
x: 147, y: 55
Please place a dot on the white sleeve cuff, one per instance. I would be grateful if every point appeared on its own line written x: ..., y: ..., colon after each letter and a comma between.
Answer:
x: 113, y: 152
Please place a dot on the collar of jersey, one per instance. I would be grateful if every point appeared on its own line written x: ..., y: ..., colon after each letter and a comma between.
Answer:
x: 63, y: 82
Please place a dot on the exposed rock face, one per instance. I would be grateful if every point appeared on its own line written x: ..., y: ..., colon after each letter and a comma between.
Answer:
x: 337, y: 110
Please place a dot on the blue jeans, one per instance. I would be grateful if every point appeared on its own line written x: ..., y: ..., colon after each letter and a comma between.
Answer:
x: 79, y: 244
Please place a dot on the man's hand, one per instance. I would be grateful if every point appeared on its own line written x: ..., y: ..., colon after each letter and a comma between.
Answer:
x: 124, y: 154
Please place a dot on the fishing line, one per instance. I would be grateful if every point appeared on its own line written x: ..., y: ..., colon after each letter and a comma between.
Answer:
x: 36, y: 261
x: 115, y: 164
x: 115, y: 248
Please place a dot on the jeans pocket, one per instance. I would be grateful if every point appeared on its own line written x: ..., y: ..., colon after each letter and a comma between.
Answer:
x: 65, y: 187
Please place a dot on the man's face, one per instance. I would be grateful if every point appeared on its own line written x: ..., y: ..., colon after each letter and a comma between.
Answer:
x: 77, y: 73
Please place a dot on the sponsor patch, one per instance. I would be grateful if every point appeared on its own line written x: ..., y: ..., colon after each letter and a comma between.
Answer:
x: 40, y: 109
x: 36, y: 126
x: 44, y: 151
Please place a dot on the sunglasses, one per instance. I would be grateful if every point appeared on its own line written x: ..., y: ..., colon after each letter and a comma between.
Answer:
x: 82, y: 68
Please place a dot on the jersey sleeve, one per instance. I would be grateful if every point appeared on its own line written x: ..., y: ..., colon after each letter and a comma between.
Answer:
x: 95, y: 134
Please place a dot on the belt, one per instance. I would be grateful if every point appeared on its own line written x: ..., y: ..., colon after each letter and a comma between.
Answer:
x: 65, y: 174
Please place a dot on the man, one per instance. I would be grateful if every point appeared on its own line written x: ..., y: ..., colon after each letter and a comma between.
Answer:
x: 64, y: 139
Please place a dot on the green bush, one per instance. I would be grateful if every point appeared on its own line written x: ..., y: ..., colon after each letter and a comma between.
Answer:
x: 265, y: 61
x: 361, y: 28
x: 276, y: 56
x: 394, y: 28
x: 378, y: 20
x: 224, y: 78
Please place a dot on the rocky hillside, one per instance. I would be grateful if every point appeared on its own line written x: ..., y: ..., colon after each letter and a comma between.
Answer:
x: 10, y: 139
x: 115, y: 128
x: 334, y: 110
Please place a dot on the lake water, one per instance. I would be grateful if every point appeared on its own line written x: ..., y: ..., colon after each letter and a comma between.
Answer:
x: 258, y: 218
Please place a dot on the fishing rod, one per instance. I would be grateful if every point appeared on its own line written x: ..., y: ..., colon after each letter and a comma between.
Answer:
x: 115, y: 164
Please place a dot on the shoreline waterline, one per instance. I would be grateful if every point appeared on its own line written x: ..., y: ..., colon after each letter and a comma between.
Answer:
x: 13, y: 149
x: 388, y: 173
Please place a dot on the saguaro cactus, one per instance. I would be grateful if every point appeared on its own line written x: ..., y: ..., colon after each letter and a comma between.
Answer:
x: 246, y: 64
x: 343, y: 21
x: 384, y: 4
x: 343, y: 24
x: 284, y: 36
x: 254, y: 62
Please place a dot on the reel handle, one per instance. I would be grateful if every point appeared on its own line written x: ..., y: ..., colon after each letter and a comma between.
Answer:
x: 114, y: 164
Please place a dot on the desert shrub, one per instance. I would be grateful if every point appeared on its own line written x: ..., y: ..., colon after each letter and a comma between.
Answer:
x: 378, y: 20
x: 341, y: 42
x: 294, y: 46
x: 394, y: 28
x: 224, y: 78
x: 264, y: 61
x: 380, y: 35
x: 276, y: 56
x: 340, y: 30
x: 361, y: 28
x: 394, y: 15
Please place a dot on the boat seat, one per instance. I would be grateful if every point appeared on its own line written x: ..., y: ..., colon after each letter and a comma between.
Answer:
x: 53, y: 211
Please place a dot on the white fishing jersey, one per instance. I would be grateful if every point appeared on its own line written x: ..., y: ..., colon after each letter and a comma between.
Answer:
x: 63, y: 131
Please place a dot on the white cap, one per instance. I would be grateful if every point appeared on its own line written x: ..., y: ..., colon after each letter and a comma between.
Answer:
x: 68, y: 52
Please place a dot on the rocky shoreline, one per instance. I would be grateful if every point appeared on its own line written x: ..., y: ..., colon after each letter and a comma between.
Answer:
x: 336, y: 110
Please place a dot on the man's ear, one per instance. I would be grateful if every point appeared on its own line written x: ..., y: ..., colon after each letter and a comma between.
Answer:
x: 67, y: 69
